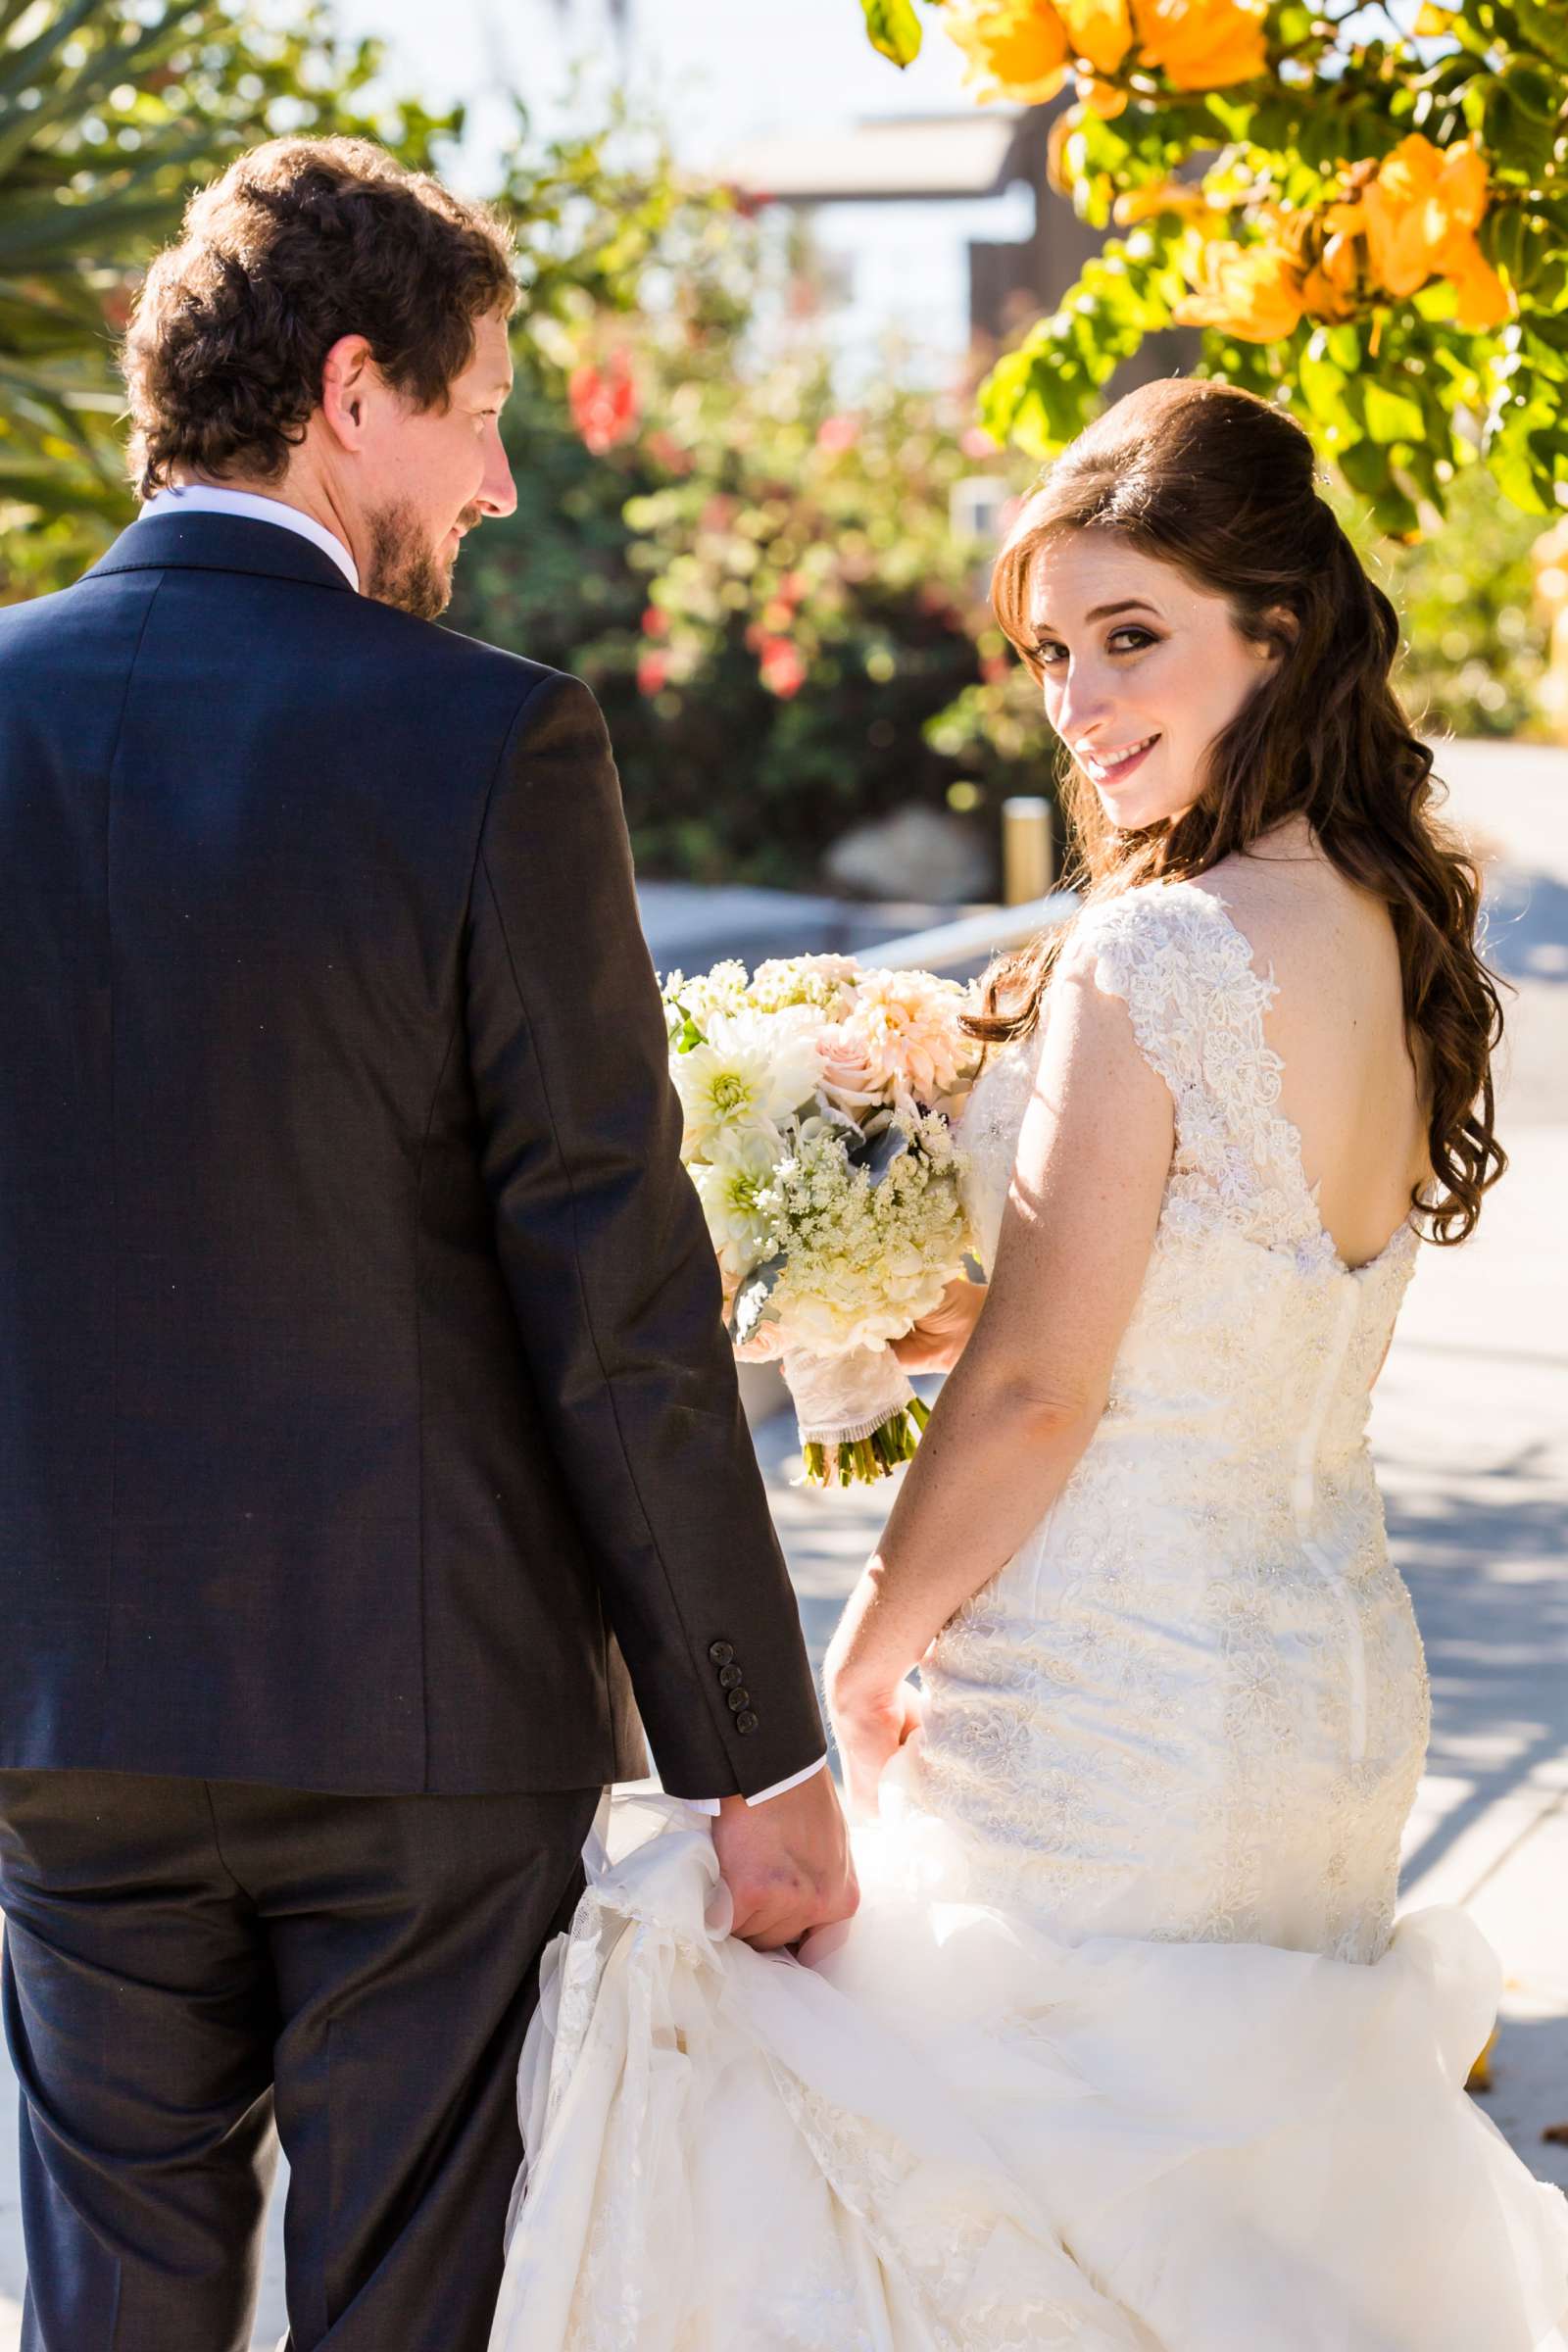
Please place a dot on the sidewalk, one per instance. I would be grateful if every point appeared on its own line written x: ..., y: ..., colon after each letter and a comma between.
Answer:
x: 1470, y: 1427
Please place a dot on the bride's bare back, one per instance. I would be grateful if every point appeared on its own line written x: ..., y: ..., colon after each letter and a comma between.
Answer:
x: 1349, y: 1086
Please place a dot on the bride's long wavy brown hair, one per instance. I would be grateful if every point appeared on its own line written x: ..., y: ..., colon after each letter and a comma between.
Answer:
x: 1223, y: 485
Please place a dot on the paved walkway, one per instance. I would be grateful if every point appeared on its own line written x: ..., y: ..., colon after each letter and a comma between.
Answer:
x: 1471, y: 1432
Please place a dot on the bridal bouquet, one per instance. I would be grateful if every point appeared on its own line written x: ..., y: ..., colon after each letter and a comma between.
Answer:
x: 819, y: 1099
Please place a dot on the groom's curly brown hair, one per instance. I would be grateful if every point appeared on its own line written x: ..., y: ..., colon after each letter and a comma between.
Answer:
x: 302, y: 241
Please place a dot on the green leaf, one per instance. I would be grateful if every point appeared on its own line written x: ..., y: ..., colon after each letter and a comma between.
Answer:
x: 893, y: 28
x: 1391, y: 415
x: 1396, y: 514
x: 1365, y: 467
x: 1323, y: 388
x: 1519, y: 479
x: 1545, y: 26
x: 1533, y: 90
x: 1343, y: 345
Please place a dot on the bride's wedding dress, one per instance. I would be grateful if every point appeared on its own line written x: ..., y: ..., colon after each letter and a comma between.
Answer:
x: 1124, y: 2051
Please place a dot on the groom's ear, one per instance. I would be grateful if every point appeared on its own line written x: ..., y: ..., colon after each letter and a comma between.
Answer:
x: 346, y: 378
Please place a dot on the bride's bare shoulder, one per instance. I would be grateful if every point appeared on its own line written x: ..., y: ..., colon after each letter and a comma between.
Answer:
x: 1292, y: 901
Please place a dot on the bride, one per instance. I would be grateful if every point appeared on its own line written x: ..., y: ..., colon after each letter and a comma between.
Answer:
x: 1124, y: 2051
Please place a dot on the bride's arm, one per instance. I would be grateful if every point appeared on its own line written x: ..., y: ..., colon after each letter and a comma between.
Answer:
x: 1028, y: 1389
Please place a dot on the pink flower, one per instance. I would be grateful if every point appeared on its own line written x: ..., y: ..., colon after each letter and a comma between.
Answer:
x: 848, y: 1079
x: 652, y: 673
x: 655, y: 622
x: 838, y: 433
x: 782, y: 670
x: 907, y: 1025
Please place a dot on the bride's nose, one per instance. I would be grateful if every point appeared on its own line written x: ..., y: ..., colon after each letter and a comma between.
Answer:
x: 1083, y: 706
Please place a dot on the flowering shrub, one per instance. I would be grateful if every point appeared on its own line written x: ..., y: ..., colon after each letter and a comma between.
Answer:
x: 760, y: 582
x: 1373, y: 225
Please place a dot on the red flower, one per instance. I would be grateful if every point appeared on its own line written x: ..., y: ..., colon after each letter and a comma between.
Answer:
x: 655, y: 622
x: 782, y: 672
x: 604, y: 404
x: 653, y: 671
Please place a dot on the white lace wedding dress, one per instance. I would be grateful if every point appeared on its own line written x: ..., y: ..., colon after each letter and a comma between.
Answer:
x: 1124, y: 2051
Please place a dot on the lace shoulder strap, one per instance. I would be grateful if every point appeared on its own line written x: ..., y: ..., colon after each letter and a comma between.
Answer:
x: 1185, y: 972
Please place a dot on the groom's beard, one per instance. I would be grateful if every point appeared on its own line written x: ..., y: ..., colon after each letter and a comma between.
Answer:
x: 404, y: 569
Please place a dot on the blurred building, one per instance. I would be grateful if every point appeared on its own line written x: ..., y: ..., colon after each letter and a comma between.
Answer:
x: 951, y: 159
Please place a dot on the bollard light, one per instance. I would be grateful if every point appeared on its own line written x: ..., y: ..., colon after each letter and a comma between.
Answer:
x: 1028, y: 868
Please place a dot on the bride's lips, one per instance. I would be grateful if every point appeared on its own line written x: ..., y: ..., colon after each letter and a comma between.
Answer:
x: 1119, y: 771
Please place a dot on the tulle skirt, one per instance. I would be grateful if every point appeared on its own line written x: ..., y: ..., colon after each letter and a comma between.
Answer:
x: 942, y: 2130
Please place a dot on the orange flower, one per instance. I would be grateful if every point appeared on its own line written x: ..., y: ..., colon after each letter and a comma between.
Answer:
x: 1484, y: 300
x: 1102, y: 98
x: 1423, y: 202
x: 1015, y: 48
x: 1202, y: 44
x: 1419, y: 213
x: 1322, y: 299
x: 1100, y: 30
x: 1250, y: 291
x: 1167, y: 196
x: 1063, y: 150
x: 1331, y: 286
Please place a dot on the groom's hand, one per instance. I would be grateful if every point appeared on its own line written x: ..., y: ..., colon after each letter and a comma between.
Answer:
x: 786, y: 1863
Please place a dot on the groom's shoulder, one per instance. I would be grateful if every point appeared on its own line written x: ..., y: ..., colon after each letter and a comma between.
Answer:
x: 490, y: 684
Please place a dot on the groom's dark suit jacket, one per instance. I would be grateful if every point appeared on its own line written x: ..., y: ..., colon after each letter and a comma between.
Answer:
x: 362, y: 1379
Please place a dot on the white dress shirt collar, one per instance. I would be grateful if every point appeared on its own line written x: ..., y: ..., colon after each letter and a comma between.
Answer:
x: 214, y: 498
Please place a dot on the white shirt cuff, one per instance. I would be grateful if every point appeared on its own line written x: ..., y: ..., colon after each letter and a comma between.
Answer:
x: 709, y: 1804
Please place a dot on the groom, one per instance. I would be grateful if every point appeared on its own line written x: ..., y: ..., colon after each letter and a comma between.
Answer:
x: 363, y: 1393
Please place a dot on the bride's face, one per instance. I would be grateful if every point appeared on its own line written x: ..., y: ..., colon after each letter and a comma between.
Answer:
x: 1142, y: 671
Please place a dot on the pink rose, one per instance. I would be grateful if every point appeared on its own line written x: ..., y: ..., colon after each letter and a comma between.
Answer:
x: 850, y: 1078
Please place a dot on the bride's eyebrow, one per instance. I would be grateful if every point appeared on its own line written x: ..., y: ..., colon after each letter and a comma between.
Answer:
x: 1130, y: 604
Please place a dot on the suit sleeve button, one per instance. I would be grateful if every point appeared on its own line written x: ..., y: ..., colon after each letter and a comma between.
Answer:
x: 746, y: 1722
x: 738, y: 1701
x: 730, y: 1678
x: 720, y: 1652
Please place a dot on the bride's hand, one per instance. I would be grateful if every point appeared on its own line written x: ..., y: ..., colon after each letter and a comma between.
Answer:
x: 870, y: 1728
x: 939, y: 1338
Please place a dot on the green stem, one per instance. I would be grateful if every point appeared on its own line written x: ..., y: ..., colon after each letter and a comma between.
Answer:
x: 866, y: 1459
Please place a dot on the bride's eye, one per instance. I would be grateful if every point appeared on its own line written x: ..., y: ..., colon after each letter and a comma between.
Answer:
x: 1047, y: 652
x: 1142, y: 638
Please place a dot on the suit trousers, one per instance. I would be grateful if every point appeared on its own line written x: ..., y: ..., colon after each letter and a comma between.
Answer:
x: 195, y: 1970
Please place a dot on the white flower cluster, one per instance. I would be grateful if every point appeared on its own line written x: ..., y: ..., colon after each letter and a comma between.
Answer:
x: 817, y: 1098
x: 864, y: 1261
